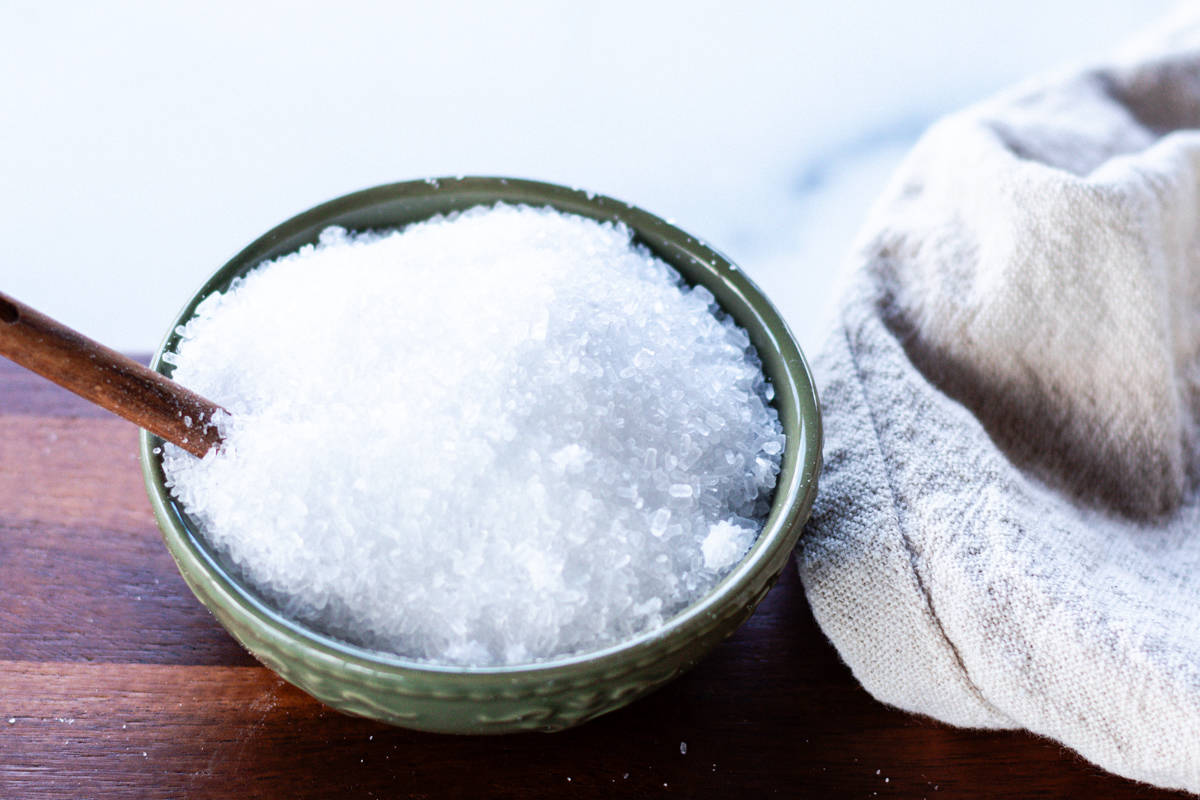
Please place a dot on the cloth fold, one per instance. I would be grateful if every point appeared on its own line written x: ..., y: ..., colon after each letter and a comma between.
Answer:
x: 1008, y: 529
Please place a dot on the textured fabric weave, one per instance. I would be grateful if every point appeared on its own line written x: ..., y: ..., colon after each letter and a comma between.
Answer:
x: 1008, y: 528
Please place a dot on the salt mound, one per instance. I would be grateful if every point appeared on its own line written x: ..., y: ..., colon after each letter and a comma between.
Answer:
x: 494, y: 437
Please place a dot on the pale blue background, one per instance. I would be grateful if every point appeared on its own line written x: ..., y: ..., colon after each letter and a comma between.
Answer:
x: 144, y: 143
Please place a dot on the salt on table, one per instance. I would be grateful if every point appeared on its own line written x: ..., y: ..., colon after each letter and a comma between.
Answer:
x: 494, y: 437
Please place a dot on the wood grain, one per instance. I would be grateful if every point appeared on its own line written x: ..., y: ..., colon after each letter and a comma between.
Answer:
x: 115, y: 682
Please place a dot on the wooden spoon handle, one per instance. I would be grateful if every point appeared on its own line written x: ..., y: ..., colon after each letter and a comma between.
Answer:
x: 106, y: 378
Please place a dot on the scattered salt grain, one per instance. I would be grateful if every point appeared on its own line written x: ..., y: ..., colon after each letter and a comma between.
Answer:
x: 683, y: 748
x: 495, y: 437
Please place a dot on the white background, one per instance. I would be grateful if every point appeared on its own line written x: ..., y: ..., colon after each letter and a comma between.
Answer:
x: 141, y: 145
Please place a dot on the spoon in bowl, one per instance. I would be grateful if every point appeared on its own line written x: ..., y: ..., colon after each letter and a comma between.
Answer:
x: 103, y: 376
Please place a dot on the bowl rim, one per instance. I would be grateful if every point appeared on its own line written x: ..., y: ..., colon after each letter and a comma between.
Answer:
x: 797, y: 478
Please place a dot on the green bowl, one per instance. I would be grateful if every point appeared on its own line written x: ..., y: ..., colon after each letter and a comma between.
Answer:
x: 550, y: 695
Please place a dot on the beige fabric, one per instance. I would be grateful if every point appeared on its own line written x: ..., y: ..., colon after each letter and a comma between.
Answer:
x: 1008, y: 529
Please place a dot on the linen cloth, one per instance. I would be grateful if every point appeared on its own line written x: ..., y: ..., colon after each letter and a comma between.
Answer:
x: 1007, y: 533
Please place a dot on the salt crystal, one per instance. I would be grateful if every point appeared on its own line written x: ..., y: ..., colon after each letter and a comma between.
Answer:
x: 683, y: 748
x: 466, y: 441
x: 725, y: 545
x: 572, y: 459
x: 658, y: 522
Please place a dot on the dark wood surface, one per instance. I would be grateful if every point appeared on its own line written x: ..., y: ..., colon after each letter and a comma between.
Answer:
x: 116, y: 683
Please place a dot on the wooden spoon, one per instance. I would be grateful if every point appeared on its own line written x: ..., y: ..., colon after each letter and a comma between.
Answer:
x: 107, y: 378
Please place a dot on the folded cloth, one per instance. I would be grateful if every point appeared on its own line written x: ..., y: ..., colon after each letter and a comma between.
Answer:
x: 1008, y: 528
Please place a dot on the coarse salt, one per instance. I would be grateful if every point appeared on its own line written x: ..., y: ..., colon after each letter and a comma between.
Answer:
x: 495, y: 437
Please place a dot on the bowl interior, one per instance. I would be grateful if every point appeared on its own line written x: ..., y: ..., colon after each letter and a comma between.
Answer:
x: 396, y: 205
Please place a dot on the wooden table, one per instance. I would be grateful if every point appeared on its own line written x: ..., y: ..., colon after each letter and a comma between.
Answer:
x: 115, y: 682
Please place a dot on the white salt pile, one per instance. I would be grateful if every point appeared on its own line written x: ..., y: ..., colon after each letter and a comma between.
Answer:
x: 490, y: 438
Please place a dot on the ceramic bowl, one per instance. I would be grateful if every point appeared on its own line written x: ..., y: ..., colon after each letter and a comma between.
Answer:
x: 554, y: 694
